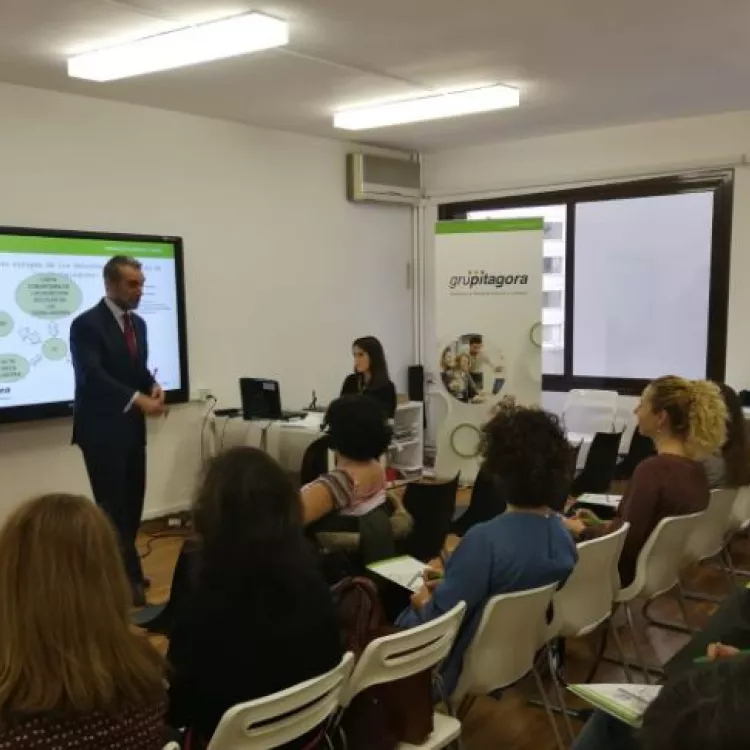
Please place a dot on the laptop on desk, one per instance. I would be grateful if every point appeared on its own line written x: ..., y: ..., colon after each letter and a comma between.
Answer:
x: 261, y: 399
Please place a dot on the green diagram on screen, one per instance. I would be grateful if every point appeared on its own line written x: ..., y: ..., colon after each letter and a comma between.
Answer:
x: 48, y: 298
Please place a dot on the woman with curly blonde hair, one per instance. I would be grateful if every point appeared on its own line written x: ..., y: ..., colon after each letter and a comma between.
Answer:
x: 686, y: 419
x: 72, y: 673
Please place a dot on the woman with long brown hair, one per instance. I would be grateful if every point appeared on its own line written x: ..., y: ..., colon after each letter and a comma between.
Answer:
x: 72, y: 672
x: 730, y: 466
x: 260, y: 617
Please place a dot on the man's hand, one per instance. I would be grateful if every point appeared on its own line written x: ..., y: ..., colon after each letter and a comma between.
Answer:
x: 720, y: 651
x: 157, y: 393
x: 152, y: 407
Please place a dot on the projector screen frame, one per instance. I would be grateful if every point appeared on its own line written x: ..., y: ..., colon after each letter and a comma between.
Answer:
x: 60, y: 409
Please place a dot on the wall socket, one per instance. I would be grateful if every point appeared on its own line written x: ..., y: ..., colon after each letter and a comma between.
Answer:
x: 200, y: 394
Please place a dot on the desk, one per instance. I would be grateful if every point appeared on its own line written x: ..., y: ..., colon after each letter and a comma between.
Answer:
x: 285, y: 441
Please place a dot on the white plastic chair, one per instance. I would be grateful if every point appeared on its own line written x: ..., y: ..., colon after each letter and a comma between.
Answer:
x: 658, y: 571
x: 587, y: 598
x: 587, y: 412
x: 512, y: 631
x: 711, y: 539
x: 710, y: 535
x: 270, y: 722
x: 407, y: 653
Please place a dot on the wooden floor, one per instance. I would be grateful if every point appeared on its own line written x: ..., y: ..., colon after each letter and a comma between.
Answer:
x: 509, y: 723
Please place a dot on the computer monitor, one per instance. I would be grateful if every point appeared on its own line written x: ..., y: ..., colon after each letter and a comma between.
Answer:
x: 261, y: 399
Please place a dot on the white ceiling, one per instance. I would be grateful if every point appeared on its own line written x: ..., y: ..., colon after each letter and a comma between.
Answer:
x: 579, y: 63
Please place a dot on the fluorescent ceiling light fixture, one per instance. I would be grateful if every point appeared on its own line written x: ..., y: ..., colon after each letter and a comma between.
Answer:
x: 433, y: 107
x: 218, y: 40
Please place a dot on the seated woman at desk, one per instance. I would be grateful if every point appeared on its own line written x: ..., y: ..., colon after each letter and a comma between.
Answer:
x: 349, y: 507
x: 370, y: 376
x: 686, y: 419
x: 526, y: 451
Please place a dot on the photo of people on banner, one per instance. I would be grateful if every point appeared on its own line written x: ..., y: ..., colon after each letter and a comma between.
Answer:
x: 472, y: 370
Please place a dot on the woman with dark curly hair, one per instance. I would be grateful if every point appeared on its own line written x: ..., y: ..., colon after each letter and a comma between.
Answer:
x: 349, y: 507
x: 526, y: 453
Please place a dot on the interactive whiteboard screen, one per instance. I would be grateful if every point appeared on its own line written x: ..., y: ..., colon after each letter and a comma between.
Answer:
x: 49, y: 278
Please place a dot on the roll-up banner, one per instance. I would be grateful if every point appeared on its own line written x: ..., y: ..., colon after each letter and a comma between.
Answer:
x: 488, y: 307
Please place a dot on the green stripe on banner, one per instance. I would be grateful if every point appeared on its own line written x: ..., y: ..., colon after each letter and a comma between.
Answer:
x: 32, y: 245
x: 489, y: 225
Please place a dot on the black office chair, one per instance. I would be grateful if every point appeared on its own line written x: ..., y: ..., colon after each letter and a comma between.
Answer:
x: 432, y: 506
x: 599, y: 469
x: 314, y: 460
x: 575, y: 451
x: 487, y: 501
x: 641, y: 447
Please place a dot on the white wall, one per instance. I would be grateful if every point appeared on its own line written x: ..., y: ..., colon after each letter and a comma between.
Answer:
x: 281, y: 272
x: 542, y: 163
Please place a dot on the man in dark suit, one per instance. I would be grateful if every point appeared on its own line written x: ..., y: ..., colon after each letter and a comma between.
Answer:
x: 114, y: 392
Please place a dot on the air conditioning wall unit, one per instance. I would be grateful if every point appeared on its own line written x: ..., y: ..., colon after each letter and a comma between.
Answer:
x: 381, y: 179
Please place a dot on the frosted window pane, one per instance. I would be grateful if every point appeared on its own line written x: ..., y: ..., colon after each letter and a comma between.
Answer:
x: 642, y: 270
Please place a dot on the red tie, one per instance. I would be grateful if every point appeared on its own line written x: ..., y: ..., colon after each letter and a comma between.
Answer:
x: 129, y: 331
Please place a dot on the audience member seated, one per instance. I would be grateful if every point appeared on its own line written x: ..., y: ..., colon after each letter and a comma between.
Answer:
x: 370, y: 376
x: 525, y: 450
x: 687, y: 421
x: 706, y: 707
x: 730, y: 466
x: 349, y: 507
x: 73, y: 676
x: 260, y: 618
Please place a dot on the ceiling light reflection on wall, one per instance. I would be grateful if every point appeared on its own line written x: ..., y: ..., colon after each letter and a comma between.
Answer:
x: 433, y: 107
x: 218, y: 40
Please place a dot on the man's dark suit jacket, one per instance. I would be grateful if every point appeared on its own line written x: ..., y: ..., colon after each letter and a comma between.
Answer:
x: 106, y: 378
